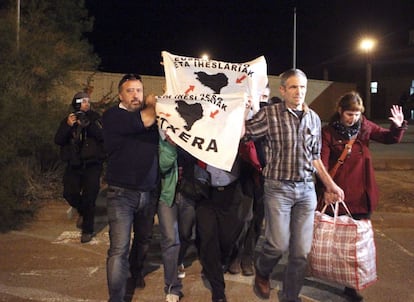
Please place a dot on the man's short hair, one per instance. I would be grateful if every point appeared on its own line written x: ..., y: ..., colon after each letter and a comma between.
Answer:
x: 290, y: 73
x: 129, y: 77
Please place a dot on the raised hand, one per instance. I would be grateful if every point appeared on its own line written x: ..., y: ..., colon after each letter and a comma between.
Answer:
x: 397, y: 115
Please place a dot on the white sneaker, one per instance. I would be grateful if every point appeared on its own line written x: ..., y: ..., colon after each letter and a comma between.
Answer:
x: 181, y: 271
x: 172, y: 298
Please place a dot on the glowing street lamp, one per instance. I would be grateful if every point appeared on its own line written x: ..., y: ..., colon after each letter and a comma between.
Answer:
x: 367, y: 45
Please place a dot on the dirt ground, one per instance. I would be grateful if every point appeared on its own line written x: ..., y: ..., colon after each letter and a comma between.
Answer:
x: 396, y: 190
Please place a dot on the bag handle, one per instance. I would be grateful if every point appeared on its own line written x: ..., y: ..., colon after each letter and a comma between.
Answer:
x: 335, y: 209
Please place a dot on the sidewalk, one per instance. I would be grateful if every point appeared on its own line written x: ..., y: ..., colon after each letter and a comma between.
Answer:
x: 46, y: 261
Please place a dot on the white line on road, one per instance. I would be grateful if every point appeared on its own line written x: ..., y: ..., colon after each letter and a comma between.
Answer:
x: 403, y: 249
x: 92, y: 270
x: 76, y: 245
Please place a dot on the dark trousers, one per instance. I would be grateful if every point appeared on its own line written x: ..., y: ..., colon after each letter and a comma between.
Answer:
x: 142, y: 236
x: 251, y: 215
x: 218, y: 226
x: 253, y: 232
x: 186, y: 222
x: 254, y: 227
x: 80, y: 188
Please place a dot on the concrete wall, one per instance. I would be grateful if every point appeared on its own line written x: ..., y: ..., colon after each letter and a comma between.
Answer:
x: 328, y: 94
x: 321, y: 96
x: 103, y: 86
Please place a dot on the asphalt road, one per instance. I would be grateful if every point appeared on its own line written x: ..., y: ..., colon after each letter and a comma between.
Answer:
x: 46, y: 261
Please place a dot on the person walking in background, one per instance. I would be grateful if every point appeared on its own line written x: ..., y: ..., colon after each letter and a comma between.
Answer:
x: 252, y: 184
x: 131, y: 140
x: 81, y: 140
x: 356, y: 173
x: 249, y: 211
x: 218, y: 226
x: 292, y: 136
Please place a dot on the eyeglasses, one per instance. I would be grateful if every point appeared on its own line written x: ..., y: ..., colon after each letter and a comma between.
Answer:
x: 128, y: 77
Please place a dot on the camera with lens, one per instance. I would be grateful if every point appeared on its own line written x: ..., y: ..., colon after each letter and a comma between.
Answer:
x: 83, y: 120
x: 80, y: 114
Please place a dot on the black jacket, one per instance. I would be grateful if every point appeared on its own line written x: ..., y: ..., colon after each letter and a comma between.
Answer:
x: 81, y: 144
x: 132, y: 150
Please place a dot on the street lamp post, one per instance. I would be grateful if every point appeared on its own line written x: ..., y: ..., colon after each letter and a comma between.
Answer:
x: 18, y: 26
x: 367, y: 45
x: 294, y: 38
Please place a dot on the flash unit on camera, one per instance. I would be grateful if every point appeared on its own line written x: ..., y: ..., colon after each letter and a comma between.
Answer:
x: 79, y: 101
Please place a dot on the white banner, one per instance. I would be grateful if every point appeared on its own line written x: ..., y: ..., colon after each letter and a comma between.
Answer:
x: 208, y: 126
x: 187, y: 75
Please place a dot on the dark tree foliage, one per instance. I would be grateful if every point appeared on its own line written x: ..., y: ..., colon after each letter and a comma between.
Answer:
x: 51, y: 43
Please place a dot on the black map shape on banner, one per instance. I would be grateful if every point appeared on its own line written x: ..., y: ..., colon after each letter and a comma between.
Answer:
x: 189, y: 112
x: 214, y: 81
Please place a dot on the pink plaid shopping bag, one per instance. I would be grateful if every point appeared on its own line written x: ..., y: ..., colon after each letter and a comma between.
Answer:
x: 343, y: 250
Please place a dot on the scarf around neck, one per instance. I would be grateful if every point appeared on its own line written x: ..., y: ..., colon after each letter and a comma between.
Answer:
x: 345, y: 131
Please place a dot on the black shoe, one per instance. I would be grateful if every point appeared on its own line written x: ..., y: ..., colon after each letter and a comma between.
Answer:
x: 234, y: 267
x: 139, y: 282
x: 247, y: 268
x: 353, y: 294
x: 86, y: 237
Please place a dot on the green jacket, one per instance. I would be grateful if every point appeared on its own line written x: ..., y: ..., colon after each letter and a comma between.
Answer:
x: 168, y: 171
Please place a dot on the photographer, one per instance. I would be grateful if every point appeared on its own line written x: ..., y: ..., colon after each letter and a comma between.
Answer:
x: 81, y: 141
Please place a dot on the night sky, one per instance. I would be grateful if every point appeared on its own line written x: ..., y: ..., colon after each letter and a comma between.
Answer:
x: 130, y: 35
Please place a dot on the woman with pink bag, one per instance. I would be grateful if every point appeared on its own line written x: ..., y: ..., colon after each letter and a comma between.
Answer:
x: 348, y: 128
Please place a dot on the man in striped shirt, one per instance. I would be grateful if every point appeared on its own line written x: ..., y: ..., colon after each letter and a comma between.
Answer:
x: 292, y: 144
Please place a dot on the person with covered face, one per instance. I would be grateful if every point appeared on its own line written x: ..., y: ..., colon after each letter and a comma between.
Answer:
x: 356, y: 173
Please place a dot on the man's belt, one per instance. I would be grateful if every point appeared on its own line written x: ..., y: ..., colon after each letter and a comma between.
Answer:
x: 305, y: 180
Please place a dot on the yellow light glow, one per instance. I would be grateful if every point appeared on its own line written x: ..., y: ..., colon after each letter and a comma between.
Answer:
x: 367, y: 44
x: 205, y: 57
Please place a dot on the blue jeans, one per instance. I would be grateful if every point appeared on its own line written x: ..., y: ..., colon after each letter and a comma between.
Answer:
x: 289, y: 213
x: 142, y: 229
x: 122, y: 205
x: 170, y: 246
x: 186, y: 223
